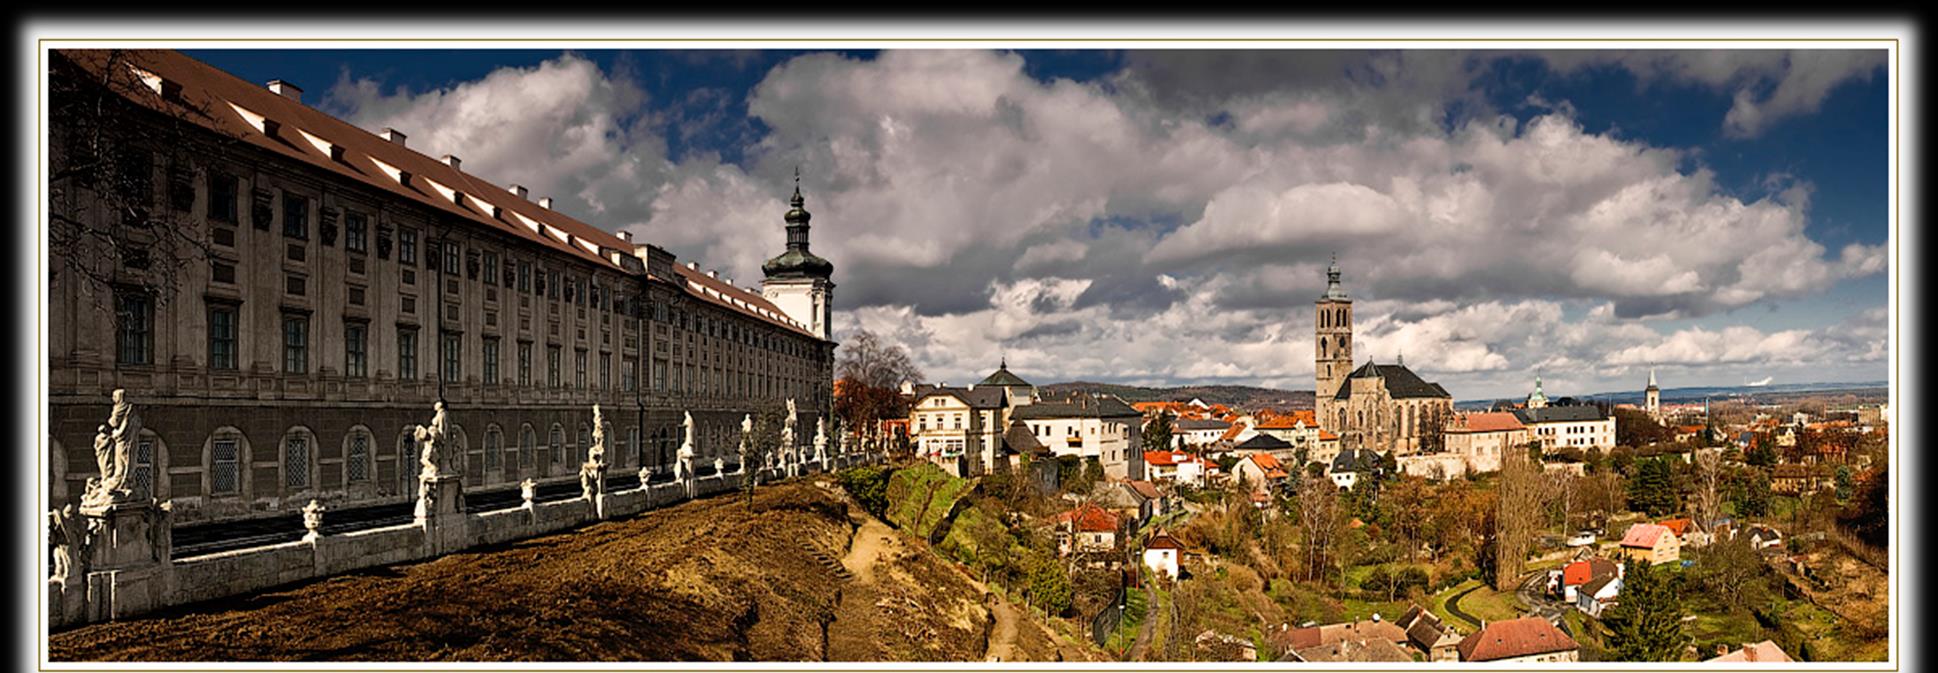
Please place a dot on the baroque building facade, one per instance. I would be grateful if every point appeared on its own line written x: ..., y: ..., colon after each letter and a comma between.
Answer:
x: 339, y: 283
x: 1379, y: 407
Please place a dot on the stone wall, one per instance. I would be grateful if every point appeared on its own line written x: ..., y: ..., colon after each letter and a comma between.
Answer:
x: 114, y: 590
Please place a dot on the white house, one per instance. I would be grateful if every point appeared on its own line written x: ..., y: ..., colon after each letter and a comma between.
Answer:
x: 1175, y: 466
x: 1579, y: 427
x: 1197, y: 433
x: 1162, y: 555
x: 1101, y: 427
x: 1598, y: 595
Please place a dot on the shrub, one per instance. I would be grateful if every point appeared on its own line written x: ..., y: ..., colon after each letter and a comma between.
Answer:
x: 868, y: 485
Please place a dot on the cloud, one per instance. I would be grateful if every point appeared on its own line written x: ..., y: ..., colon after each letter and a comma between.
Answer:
x: 1767, y: 85
x: 1171, y: 222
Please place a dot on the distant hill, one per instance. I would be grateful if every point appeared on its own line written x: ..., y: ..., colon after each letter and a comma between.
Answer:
x: 1763, y: 393
x: 1239, y: 397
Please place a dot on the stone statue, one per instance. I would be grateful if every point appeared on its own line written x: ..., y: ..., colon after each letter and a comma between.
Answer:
x: 67, y: 535
x: 746, y: 442
x: 787, y: 433
x: 528, y: 489
x: 431, y: 438
x: 593, y: 473
x: 683, y: 467
x: 821, y: 442
x: 597, y: 453
x: 113, y: 453
x: 313, y: 520
x: 719, y: 466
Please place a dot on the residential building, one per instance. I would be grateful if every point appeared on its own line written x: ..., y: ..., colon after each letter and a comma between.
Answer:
x: 1087, y: 529
x: 1597, y: 595
x: 1176, y: 467
x: 1260, y: 471
x: 958, y: 429
x: 342, y: 282
x: 1764, y: 652
x: 1089, y: 426
x: 1434, y: 640
x: 1572, y: 576
x: 1198, y: 433
x: 1350, y: 466
x: 1529, y: 639
x: 1162, y: 554
x: 1653, y: 543
x: 1579, y: 427
x: 1480, y: 439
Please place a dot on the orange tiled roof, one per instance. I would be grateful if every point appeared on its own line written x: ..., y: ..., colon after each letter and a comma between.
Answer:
x: 1490, y: 421
x: 1512, y: 638
x: 1090, y: 519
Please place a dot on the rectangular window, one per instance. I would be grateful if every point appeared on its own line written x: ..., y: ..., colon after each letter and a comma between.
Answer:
x: 296, y: 462
x: 355, y: 231
x: 451, y: 258
x: 261, y: 208
x: 296, y: 216
x: 356, y: 350
x: 552, y: 377
x: 295, y: 284
x: 491, y: 361
x: 222, y: 197
x: 409, y: 304
x: 524, y: 276
x: 453, y: 357
x: 141, y: 478
x: 222, y: 337
x: 137, y: 173
x: 525, y: 363
x: 224, y: 475
x: 659, y: 376
x: 578, y: 368
x: 407, y: 246
x: 135, y: 338
x: 296, y: 344
x: 406, y: 352
x: 181, y: 186
x: 491, y: 268
x: 355, y: 295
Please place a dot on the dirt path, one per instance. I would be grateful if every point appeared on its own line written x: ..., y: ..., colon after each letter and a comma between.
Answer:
x: 1002, y: 638
x: 870, y: 541
x: 1144, y: 630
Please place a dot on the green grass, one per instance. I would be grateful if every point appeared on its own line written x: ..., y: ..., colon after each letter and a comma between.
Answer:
x: 1136, y: 608
x: 919, y: 498
x: 1733, y: 629
x: 1483, y: 603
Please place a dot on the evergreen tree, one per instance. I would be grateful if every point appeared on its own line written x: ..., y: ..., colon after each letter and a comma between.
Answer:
x: 1646, y: 622
x: 1756, y: 495
x: 1157, y: 433
x: 1653, y: 488
x: 1846, y: 483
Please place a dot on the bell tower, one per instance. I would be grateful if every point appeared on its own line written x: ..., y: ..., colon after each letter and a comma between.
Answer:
x: 797, y: 280
x: 1332, y: 348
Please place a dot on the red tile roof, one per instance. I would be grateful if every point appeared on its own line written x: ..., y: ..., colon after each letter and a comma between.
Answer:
x: 1163, y: 540
x: 1144, y: 488
x: 1515, y: 638
x: 1678, y: 526
x: 305, y: 134
x: 1168, y: 458
x: 1644, y: 535
x: 1580, y: 572
x: 1288, y: 420
x: 1090, y: 519
x: 1491, y: 421
x: 1765, y: 652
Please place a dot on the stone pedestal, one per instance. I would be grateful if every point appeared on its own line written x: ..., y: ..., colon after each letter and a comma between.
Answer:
x: 440, y: 511
x: 126, y: 559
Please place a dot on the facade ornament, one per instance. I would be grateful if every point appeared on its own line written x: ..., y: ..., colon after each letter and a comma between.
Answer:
x: 746, y: 443
x: 114, y: 447
x: 528, y: 489
x: 313, y: 520
x: 719, y: 466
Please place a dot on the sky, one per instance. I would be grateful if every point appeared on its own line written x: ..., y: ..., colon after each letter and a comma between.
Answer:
x: 1166, y: 217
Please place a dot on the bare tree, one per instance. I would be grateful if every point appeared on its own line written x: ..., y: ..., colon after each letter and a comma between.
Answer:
x: 124, y: 148
x: 1520, y: 504
x: 1707, y: 500
x: 1319, y: 522
x: 869, y: 373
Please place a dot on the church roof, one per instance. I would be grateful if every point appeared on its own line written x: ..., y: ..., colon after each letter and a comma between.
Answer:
x: 1003, y: 377
x: 1401, y: 382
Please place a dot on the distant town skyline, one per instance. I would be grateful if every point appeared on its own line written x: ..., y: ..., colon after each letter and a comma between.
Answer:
x: 1164, y: 217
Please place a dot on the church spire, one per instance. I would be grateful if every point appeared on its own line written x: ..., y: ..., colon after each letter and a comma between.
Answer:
x: 1333, y: 290
x: 1651, y: 377
x: 797, y: 261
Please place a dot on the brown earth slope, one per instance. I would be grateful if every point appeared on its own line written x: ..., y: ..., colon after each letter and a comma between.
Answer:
x: 707, y: 580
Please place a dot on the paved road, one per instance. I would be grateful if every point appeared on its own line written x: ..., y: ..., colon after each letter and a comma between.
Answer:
x: 1534, y: 594
x: 1453, y: 607
x: 219, y: 536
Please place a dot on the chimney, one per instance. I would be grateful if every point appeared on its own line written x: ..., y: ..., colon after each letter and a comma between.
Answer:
x: 286, y: 90
x: 393, y: 135
x: 521, y: 191
x: 450, y: 160
x: 545, y: 202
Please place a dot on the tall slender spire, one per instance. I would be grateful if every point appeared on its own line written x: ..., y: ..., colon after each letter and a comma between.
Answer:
x: 1651, y: 377
x: 797, y: 261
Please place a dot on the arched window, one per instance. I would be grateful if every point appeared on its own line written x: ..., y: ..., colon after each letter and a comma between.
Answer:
x: 585, y: 444
x: 297, y: 459
x: 494, y: 445
x: 557, y: 454
x: 226, y: 448
x: 356, y: 455
x: 528, y: 445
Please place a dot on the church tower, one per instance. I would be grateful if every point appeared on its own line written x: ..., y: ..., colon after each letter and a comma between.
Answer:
x: 796, y: 280
x: 1652, y: 398
x: 1332, y: 348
